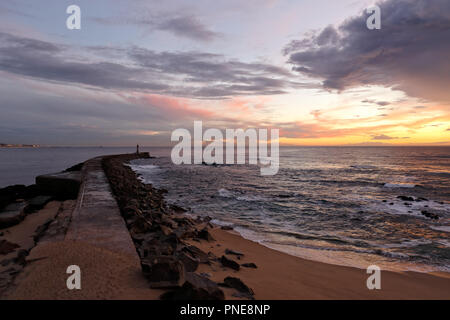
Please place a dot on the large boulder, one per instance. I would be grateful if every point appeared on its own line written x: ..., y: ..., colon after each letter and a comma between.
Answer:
x: 63, y: 185
x: 11, y: 193
x: 242, y: 288
x: 190, y: 263
x: 197, y: 253
x: 229, y: 263
x: 7, y: 247
x: 196, y: 287
x: 163, y: 271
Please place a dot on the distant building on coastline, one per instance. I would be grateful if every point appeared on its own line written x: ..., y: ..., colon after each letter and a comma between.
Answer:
x: 6, y: 145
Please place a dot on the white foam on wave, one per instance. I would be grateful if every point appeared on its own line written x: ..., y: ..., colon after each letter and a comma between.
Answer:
x: 251, y: 198
x: 399, y: 185
x: 441, y: 228
x: 145, y: 171
x: 225, y: 193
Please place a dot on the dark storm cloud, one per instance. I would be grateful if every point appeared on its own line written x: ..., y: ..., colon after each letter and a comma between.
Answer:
x: 190, y: 74
x: 44, y: 60
x: 208, y: 70
x: 410, y: 52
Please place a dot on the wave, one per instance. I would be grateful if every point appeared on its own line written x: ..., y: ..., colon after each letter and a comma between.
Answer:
x: 441, y: 228
x: 251, y: 198
x: 145, y: 172
x: 399, y: 185
x: 224, y: 193
x: 363, y: 166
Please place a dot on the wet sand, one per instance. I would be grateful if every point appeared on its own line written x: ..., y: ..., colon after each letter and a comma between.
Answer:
x: 114, y: 275
x: 282, y: 276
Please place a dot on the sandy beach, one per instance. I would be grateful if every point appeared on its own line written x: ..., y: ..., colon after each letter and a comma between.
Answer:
x: 278, y: 276
x: 282, y: 276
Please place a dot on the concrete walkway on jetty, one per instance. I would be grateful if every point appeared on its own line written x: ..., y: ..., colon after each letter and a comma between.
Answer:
x: 96, y: 218
x: 94, y: 237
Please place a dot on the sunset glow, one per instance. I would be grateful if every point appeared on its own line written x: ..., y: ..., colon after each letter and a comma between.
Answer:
x: 145, y: 76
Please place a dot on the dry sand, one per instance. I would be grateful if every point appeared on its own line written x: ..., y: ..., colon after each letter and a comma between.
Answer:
x: 104, y: 274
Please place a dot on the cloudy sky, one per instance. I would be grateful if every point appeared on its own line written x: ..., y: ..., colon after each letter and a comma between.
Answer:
x: 139, y: 69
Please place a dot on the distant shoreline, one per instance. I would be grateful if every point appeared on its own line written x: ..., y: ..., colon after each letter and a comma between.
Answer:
x: 7, y: 146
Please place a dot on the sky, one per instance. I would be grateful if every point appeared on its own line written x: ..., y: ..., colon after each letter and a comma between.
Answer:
x: 137, y: 70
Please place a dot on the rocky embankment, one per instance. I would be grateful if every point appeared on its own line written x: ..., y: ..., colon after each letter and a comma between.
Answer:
x: 161, y: 233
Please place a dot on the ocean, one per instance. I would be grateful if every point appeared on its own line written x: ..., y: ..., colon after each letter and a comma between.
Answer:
x: 337, y: 205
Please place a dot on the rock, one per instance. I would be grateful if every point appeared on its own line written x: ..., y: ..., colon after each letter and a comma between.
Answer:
x: 421, y: 199
x: 405, y: 198
x: 186, y: 221
x: 141, y: 225
x: 232, y: 252
x: 186, y: 232
x: 37, y: 203
x: 196, y: 287
x: 384, y: 200
x: 169, y: 222
x: 237, y: 284
x: 155, y: 247
x: 430, y: 215
x: 190, y: 263
x: 130, y: 211
x: 226, y: 228
x: 197, y: 253
x: 177, y: 209
x: 10, y: 194
x: 163, y: 271
x: 12, y: 215
x: 229, y: 263
x: 7, y: 247
x: 205, y: 235
x: 165, y: 230
x: 249, y: 265
x: 172, y: 240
